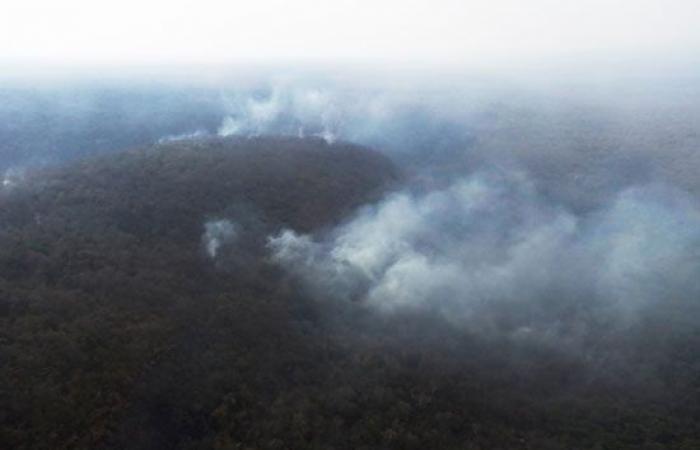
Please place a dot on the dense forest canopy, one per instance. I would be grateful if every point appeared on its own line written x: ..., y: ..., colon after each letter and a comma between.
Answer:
x: 301, y: 265
x: 350, y: 225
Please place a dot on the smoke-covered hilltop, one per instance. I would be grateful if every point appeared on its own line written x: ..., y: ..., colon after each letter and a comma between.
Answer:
x: 580, y: 142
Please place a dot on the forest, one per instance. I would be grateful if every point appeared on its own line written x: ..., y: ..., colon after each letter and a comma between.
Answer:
x: 350, y: 225
x: 141, y: 308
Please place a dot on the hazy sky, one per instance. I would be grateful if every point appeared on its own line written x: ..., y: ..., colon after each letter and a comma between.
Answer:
x: 448, y: 32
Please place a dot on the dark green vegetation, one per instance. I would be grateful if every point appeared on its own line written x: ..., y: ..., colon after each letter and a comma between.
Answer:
x: 117, y: 331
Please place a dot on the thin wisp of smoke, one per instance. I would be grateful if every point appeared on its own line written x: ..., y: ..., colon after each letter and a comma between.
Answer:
x: 218, y: 233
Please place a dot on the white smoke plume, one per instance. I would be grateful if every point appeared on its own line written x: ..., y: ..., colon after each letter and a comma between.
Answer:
x: 12, y: 177
x: 216, y: 234
x: 285, y: 110
x: 197, y: 134
x: 491, y: 240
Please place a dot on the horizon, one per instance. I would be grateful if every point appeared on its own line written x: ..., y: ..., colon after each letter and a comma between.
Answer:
x: 449, y: 34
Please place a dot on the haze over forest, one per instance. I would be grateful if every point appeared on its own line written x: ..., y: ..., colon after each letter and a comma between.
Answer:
x: 336, y: 226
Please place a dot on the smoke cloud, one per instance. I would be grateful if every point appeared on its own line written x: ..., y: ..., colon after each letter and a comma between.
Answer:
x: 523, y: 201
x: 393, y: 121
x: 490, y: 244
x: 197, y: 134
x: 216, y: 234
x: 12, y: 177
x: 283, y: 110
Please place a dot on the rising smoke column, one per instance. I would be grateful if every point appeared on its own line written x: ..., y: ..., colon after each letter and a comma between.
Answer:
x: 216, y: 234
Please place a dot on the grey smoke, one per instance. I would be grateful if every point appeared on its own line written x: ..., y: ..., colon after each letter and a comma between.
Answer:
x: 286, y: 110
x: 491, y: 241
x: 580, y: 144
x: 12, y: 177
x: 591, y: 187
x: 218, y: 233
x: 197, y: 134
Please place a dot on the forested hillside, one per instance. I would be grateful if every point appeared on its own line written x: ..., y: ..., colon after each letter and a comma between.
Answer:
x: 140, y: 309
